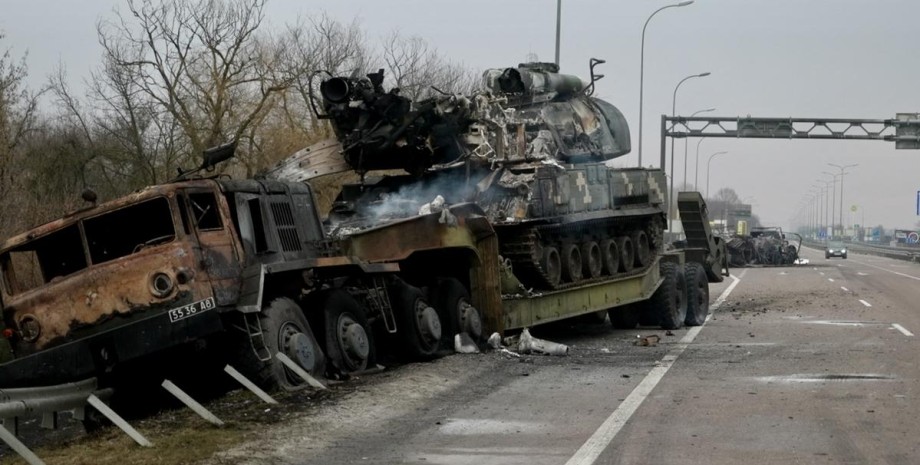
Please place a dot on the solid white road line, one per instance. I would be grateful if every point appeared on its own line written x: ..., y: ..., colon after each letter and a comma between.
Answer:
x: 588, y: 453
x: 844, y: 289
x: 867, y: 304
x: 890, y: 271
x: 902, y: 329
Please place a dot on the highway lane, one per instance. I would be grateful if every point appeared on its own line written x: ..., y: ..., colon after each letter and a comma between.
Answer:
x: 810, y: 364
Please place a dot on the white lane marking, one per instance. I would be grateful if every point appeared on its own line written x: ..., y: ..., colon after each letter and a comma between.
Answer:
x: 902, y: 329
x: 588, y: 453
x: 862, y: 274
x: 844, y: 289
x: 830, y: 279
x: 821, y: 273
x: 867, y: 304
x: 890, y: 271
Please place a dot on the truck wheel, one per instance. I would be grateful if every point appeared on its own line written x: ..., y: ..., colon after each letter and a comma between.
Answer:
x: 348, y: 336
x: 670, y: 300
x: 625, y: 316
x: 643, y: 252
x: 552, y: 265
x: 459, y: 315
x: 592, y: 263
x: 420, y: 328
x: 286, y: 330
x: 627, y: 254
x: 571, y: 263
x: 610, y: 256
x: 697, y: 294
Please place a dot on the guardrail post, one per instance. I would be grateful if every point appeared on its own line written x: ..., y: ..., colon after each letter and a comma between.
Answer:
x: 18, y: 447
x: 191, y: 403
x: 118, y: 421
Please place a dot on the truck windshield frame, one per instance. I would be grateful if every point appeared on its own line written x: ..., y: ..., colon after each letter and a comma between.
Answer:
x: 90, y: 241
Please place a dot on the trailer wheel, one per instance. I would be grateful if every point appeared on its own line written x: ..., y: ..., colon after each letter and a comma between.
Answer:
x: 610, y: 256
x: 552, y: 265
x: 643, y: 252
x: 624, y: 317
x: 592, y: 263
x: 421, y: 329
x: 697, y: 294
x: 348, y: 336
x: 571, y: 263
x: 670, y: 300
x: 627, y: 254
x: 286, y: 330
x: 459, y: 315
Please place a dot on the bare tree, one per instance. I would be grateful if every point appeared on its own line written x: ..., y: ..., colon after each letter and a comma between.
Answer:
x: 419, y: 71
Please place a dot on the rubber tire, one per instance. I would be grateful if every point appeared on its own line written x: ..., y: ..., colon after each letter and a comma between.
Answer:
x: 335, y: 304
x: 844, y: 256
x: 627, y: 253
x: 670, y: 299
x: 404, y: 298
x: 571, y: 263
x: 643, y: 251
x: 552, y: 265
x: 827, y: 256
x: 273, y: 374
x: 591, y: 260
x: 610, y: 256
x: 625, y: 316
x: 697, y: 294
x: 447, y: 295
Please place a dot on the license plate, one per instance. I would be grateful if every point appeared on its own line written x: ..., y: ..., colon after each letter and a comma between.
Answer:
x: 185, y: 311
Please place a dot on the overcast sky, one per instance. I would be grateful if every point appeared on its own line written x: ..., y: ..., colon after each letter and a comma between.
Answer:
x: 783, y: 58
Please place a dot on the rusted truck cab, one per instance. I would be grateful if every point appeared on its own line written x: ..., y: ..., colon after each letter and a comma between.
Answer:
x: 149, y: 271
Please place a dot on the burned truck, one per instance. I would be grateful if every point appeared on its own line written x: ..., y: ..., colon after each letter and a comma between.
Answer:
x: 767, y: 246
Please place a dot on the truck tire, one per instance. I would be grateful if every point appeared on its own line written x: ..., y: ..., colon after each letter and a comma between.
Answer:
x: 624, y: 316
x: 348, y: 337
x: 419, y: 325
x: 286, y: 330
x: 697, y: 294
x: 670, y: 299
x: 458, y: 315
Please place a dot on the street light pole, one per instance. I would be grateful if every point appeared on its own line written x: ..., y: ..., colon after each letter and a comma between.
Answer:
x: 695, y: 186
x: 842, y: 173
x: 833, y: 203
x: 558, y: 27
x: 708, y: 166
x: 642, y: 68
x: 673, y: 114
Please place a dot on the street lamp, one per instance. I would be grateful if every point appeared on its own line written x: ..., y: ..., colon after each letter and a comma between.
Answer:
x: 833, y: 200
x: 673, y: 114
x: 642, y: 68
x: 709, y: 165
x: 826, y: 186
x: 842, y: 172
x: 697, y: 149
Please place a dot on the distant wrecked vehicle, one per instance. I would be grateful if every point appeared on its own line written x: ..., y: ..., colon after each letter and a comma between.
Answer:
x: 764, y: 246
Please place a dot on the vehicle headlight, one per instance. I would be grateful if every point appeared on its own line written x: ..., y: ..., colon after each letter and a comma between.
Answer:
x: 161, y: 284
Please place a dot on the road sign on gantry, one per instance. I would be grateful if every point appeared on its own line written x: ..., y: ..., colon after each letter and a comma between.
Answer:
x: 907, y: 132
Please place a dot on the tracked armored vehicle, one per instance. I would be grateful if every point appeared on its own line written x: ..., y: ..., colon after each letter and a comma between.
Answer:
x: 530, y: 148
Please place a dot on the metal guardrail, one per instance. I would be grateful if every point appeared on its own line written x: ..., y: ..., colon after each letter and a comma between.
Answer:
x: 898, y: 253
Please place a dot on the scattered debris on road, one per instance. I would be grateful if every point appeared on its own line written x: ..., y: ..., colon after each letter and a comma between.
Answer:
x: 648, y: 341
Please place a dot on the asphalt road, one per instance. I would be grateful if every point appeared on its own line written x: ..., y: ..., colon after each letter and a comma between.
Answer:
x: 811, y: 364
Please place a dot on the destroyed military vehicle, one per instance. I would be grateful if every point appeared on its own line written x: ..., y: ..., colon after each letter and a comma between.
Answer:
x: 764, y: 246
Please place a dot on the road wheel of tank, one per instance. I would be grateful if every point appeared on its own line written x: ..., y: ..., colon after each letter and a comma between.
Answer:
x: 670, y: 299
x: 286, y: 330
x: 348, y: 335
x: 643, y: 252
x: 697, y: 294
x: 610, y: 256
x: 420, y: 328
x: 459, y: 315
x: 552, y: 265
x: 592, y: 263
x: 627, y: 254
x: 571, y: 263
x: 625, y: 316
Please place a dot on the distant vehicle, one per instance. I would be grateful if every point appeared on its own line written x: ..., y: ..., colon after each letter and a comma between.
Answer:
x: 835, y: 249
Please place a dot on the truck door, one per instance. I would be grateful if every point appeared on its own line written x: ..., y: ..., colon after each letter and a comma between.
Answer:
x: 206, y: 217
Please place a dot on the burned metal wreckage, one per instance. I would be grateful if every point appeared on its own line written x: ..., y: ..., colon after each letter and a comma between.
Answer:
x: 504, y: 215
x: 768, y: 246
